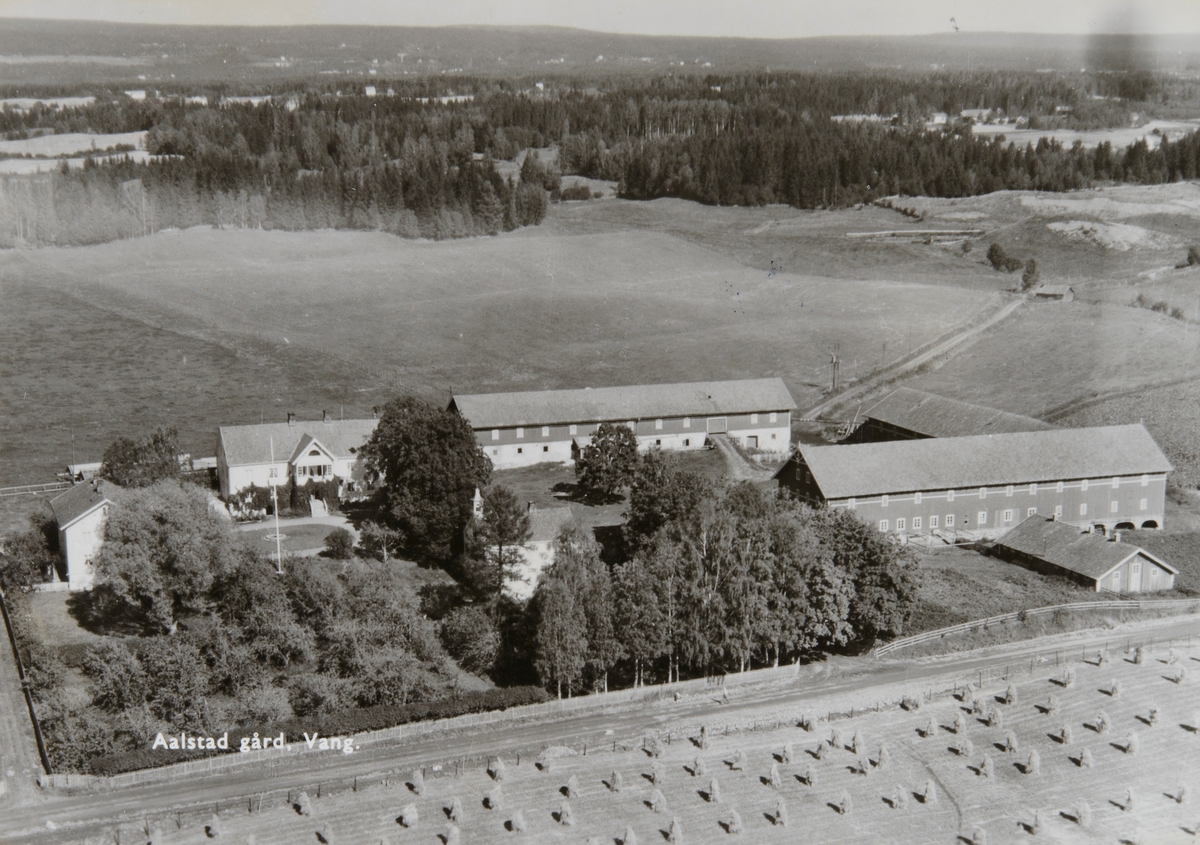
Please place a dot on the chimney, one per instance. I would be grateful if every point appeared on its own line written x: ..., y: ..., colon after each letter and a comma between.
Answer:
x: 375, y: 412
x: 1116, y: 536
x: 325, y: 417
x: 291, y: 417
x: 529, y: 507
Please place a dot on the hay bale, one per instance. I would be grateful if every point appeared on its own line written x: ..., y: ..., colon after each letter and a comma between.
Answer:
x: 789, y: 752
x: 565, y: 816
x: 738, y: 764
x: 615, y: 782
x: 213, y: 829
x: 1085, y: 759
x: 930, y: 793
x: 931, y: 728
x: 774, y: 777
x: 845, y: 803
x: 495, y: 798
x: 496, y: 770
x: 675, y: 834
x: 517, y: 822
x: 1083, y: 814
x: 304, y: 805
x: 1034, y: 765
x: 1011, y: 744
x: 704, y: 737
x: 1131, y: 743
x: 453, y: 836
x: 714, y: 792
x: 698, y: 767
x: 325, y: 834
x: 572, y: 787
x: 630, y: 838
x: 409, y: 816
x: 1010, y: 694
x: 455, y: 811
x: 987, y: 768
x: 1052, y: 705
x: 810, y: 776
x: 417, y: 782
x: 657, y: 801
x: 900, y: 798
x: 858, y: 744
x: 781, y: 814
x: 735, y: 822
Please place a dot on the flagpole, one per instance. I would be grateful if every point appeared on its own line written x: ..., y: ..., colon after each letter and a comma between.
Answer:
x: 275, y: 507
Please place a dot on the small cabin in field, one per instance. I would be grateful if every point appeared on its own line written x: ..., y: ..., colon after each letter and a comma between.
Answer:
x: 1054, y: 293
x: 81, y: 513
x: 1091, y: 559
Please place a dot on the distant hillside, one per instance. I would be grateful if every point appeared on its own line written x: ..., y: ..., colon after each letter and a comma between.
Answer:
x: 66, y: 53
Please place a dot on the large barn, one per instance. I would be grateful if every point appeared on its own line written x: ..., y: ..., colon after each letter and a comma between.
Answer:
x: 908, y: 414
x: 1055, y: 548
x: 1106, y: 477
x: 551, y: 426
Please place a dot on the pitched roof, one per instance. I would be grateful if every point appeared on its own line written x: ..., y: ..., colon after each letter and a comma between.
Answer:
x: 942, y: 463
x: 251, y: 444
x: 938, y: 416
x: 546, y: 523
x: 1053, y: 290
x: 1069, y: 548
x: 79, y: 500
x: 644, y: 401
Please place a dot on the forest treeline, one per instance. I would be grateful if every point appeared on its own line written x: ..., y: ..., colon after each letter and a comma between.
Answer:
x: 415, y: 166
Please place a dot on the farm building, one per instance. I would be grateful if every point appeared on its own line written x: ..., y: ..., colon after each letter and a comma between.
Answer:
x: 538, y: 552
x: 907, y: 414
x: 1108, y: 477
x: 1054, y: 293
x: 1055, y: 548
x: 272, y: 453
x: 551, y: 426
x: 81, y: 513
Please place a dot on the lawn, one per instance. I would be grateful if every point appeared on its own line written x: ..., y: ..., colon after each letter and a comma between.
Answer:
x: 295, y: 538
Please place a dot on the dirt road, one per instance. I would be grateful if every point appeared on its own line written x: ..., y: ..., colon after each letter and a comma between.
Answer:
x: 862, y: 681
x: 19, y: 762
x: 737, y: 467
x: 907, y: 365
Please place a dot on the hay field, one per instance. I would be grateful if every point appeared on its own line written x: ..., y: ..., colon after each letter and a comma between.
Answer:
x: 352, y: 316
x: 69, y: 143
x: 887, y: 796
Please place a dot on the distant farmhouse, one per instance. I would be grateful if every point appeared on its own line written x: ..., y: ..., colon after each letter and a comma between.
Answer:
x: 907, y: 414
x: 272, y: 453
x: 520, y: 429
x: 1054, y: 548
x: 81, y: 513
x: 1054, y: 293
x: 984, y: 485
x: 545, y: 524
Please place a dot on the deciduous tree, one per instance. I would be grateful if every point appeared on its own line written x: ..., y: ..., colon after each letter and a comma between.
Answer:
x: 607, y: 463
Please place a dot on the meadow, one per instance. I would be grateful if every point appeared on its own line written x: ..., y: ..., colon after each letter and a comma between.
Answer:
x: 951, y: 772
x: 205, y: 327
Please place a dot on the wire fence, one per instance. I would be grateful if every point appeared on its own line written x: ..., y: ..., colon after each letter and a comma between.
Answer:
x: 917, y: 639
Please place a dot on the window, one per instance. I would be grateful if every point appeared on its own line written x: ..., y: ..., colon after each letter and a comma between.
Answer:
x: 545, y: 431
x: 1083, y: 509
x: 883, y: 502
x: 520, y: 432
x: 1083, y: 485
x: 1008, y: 490
x: 900, y: 524
x: 1058, y: 511
x: 853, y: 503
x: 545, y: 448
x: 658, y: 425
x: 774, y: 436
x: 1142, y: 505
x: 949, y: 495
x: 574, y: 430
x: 883, y: 525
x: 495, y: 434
x: 632, y: 425
x: 933, y: 523
x: 1145, y: 481
x: 1008, y: 516
x: 687, y: 441
x: 1031, y: 512
x: 916, y: 523
x: 687, y: 422
x: 274, y: 473
x: 1116, y: 482
x: 754, y: 419
x: 495, y: 451
x: 519, y: 450
x: 774, y: 417
x: 917, y: 499
x: 949, y: 520
x: 658, y: 442
x: 982, y: 518
x: 983, y: 492
x: 1060, y: 487
x: 1033, y: 488
x: 1112, y: 506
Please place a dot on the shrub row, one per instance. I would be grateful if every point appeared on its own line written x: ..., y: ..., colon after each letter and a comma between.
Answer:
x: 332, y: 724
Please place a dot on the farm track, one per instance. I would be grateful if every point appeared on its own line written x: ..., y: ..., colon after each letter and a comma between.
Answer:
x: 909, y: 364
x: 19, y: 763
x: 81, y: 815
x: 738, y: 468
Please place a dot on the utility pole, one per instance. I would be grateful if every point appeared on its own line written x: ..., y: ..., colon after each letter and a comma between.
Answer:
x: 275, y: 507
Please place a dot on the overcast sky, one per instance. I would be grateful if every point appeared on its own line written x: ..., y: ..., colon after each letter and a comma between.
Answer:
x: 751, y: 18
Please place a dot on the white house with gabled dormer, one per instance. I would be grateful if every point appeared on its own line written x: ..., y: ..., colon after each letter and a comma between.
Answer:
x: 81, y: 513
x: 271, y: 454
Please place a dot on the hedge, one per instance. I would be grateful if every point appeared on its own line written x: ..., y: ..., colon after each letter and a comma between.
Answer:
x: 330, y: 725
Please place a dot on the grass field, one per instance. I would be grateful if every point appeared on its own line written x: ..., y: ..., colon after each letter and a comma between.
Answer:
x: 886, y: 802
x: 321, y: 320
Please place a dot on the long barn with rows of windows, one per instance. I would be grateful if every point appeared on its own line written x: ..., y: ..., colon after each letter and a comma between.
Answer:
x: 551, y: 426
x: 979, y: 487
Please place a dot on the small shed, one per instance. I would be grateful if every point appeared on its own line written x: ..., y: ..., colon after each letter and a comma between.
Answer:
x: 1096, y: 562
x: 1054, y: 293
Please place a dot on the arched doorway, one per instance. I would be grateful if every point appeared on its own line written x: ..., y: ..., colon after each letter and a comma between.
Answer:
x: 1150, y: 523
x: 1124, y: 526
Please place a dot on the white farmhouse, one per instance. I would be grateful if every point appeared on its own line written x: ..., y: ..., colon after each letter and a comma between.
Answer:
x: 269, y: 454
x: 81, y: 513
x: 537, y: 554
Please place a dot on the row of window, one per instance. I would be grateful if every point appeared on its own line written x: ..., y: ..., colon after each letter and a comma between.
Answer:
x: 521, y: 449
x: 658, y: 424
x: 1033, y: 488
x: 982, y: 517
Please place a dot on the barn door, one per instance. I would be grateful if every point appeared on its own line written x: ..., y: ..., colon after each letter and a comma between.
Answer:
x: 717, y: 425
x: 1135, y: 577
